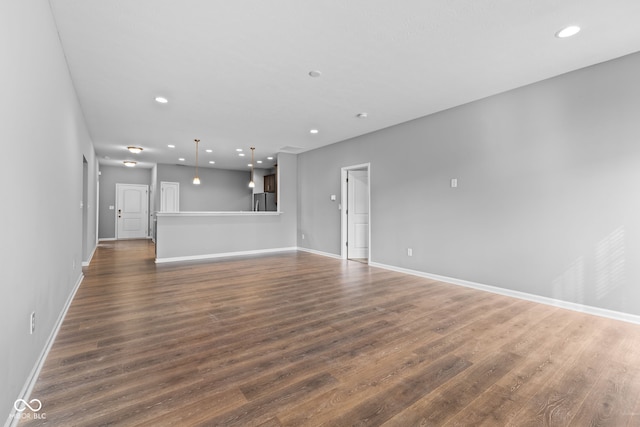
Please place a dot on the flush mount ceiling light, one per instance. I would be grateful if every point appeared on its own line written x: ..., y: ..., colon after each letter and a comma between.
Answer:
x: 315, y: 73
x: 209, y: 150
x: 161, y: 99
x: 314, y: 131
x: 129, y: 163
x: 259, y: 161
x: 238, y: 149
x: 362, y: 115
x: 211, y: 162
x: 241, y: 154
x: 196, y: 179
x: 269, y: 158
x: 569, y: 31
x: 171, y: 146
x: 181, y: 159
x: 134, y: 150
x: 251, y: 183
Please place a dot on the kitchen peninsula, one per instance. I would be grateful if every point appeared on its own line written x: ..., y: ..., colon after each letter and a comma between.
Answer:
x: 193, y: 235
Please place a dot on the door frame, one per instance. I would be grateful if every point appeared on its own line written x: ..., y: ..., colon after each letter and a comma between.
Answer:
x: 115, y: 216
x: 344, y: 203
x: 164, y: 184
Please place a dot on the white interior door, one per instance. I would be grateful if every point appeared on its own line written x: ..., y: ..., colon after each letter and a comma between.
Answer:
x: 132, y: 207
x: 358, y: 214
x: 169, y: 197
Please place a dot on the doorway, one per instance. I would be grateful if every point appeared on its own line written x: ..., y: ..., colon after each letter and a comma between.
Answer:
x: 85, y: 210
x: 169, y: 196
x: 132, y: 207
x: 356, y: 208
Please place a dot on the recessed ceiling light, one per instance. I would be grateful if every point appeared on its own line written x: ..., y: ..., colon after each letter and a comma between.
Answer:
x: 209, y: 150
x: 315, y: 73
x: 134, y: 150
x: 241, y: 154
x: 569, y: 31
x: 171, y: 146
x: 181, y: 159
x: 313, y: 131
x: 129, y: 163
x: 211, y: 162
x: 161, y: 99
x: 362, y: 115
x: 238, y: 149
x: 269, y: 158
x: 250, y: 165
x: 259, y: 161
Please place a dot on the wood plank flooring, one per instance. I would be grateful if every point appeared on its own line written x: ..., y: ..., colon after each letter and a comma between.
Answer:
x: 296, y: 339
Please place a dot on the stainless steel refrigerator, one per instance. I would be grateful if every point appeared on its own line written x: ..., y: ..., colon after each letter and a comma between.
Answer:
x: 264, y: 202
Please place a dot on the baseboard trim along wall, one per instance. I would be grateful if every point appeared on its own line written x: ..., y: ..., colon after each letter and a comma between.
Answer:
x: 617, y: 315
x: 223, y: 255
x: 88, y: 262
x: 313, y: 251
x: 602, y: 312
x: 25, y: 394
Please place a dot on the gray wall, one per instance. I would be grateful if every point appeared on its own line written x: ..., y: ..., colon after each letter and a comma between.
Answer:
x: 220, y: 189
x: 109, y: 177
x: 548, y: 201
x: 43, y: 139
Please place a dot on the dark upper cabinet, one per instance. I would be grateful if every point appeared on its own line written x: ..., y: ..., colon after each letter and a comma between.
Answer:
x: 270, y: 183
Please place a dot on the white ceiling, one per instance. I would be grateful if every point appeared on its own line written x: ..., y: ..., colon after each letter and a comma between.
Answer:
x: 236, y: 71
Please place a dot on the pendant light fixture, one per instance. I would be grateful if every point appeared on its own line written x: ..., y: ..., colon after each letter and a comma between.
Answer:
x: 251, y: 183
x: 196, y: 179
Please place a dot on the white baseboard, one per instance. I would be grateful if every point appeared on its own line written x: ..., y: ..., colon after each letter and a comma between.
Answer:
x: 223, y: 255
x: 313, y: 251
x: 88, y: 262
x: 596, y: 311
x: 111, y: 239
x: 25, y: 394
x: 602, y: 312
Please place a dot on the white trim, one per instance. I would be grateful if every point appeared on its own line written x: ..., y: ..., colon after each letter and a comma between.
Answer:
x: 344, y: 254
x: 313, y: 251
x: 107, y: 239
x: 224, y: 254
x: 13, y: 420
x: 164, y: 184
x: 220, y: 213
x: 115, y: 212
x: 88, y: 262
x: 596, y: 311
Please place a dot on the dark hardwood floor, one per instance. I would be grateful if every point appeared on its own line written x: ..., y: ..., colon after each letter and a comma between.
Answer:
x: 296, y: 339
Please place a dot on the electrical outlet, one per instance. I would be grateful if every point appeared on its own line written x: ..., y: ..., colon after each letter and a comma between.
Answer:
x: 409, y: 252
x: 32, y: 323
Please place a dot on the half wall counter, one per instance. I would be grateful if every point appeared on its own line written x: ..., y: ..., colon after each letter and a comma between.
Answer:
x: 182, y: 236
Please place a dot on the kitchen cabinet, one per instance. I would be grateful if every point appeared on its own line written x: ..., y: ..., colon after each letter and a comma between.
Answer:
x: 270, y: 183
